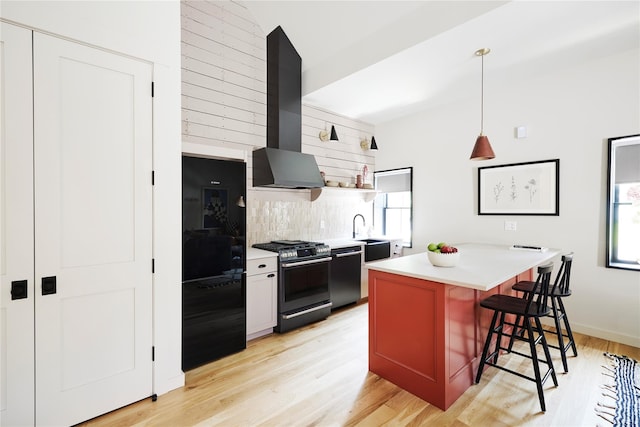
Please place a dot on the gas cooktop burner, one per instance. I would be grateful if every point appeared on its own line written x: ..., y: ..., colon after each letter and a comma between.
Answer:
x: 292, y: 242
x: 295, y: 249
x: 277, y: 245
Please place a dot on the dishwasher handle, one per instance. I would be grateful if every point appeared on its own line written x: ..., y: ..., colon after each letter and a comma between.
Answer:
x: 343, y: 254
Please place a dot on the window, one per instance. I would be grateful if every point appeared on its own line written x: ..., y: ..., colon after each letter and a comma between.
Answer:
x: 392, y: 207
x: 623, y: 198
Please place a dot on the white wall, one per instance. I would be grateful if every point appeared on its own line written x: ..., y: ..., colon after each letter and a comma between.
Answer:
x: 148, y: 30
x: 569, y: 115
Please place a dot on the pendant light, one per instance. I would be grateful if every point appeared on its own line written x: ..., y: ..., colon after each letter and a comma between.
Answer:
x: 374, y: 146
x: 482, y: 149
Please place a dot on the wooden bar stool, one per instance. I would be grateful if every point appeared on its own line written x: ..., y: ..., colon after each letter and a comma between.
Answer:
x: 530, y: 310
x: 559, y: 314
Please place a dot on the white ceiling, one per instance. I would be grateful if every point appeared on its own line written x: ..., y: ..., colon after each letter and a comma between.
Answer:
x: 380, y: 60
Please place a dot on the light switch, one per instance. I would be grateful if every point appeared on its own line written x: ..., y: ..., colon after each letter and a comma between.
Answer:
x: 521, y: 132
x: 510, y: 225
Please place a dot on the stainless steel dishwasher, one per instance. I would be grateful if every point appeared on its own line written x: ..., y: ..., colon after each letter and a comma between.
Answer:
x: 344, y: 283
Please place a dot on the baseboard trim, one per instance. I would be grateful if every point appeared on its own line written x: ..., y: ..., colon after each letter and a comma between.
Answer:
x: 606, y: 335
x: 259, y: 334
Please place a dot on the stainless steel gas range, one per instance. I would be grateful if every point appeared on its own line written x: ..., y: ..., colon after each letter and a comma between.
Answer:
x: 303, y: 282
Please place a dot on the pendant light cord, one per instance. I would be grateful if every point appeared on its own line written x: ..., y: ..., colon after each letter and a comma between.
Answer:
x: 482, y: 98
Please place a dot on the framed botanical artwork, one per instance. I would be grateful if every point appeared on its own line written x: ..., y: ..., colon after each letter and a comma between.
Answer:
x: 531, y: 188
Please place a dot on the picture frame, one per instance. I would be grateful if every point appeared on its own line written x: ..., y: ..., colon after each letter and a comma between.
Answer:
x: 530, y: 188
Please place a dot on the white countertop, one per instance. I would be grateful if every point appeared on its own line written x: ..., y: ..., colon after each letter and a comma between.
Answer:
x: 481, y: 266
x: 255, y: 253
x: 341, y: 243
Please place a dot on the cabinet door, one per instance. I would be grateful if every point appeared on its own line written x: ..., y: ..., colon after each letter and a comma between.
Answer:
x: 262, y: 301
x: 16, y: 227
x: 93, y: 235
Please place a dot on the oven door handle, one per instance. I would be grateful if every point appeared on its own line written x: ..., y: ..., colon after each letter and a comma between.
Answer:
x: 311, y: 261
x: 309, y: 310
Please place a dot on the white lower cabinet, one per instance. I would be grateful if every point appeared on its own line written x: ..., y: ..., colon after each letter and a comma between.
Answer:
x: 262, y: 296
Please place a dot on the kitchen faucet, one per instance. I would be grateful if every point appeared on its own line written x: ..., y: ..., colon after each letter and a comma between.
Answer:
x: 354, y: 223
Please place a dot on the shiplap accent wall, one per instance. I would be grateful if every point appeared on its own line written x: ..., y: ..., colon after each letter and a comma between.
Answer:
x: 224, y: 89
x: 224, y: 111
x: 340, y: 160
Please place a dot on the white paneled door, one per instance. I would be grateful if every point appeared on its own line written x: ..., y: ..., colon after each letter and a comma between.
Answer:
x: 91, y: 223
x: 16, y: 228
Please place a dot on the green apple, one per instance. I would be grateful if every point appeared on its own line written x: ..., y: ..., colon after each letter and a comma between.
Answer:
x: 441, y: 245
x: 432, y: 247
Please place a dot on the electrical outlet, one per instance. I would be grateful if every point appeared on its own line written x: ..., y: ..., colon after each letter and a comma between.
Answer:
x: 521, y: 132
x: 510, y: 225
x: 322, y: 224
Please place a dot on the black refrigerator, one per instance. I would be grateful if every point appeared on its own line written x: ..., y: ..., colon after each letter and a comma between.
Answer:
x: 213, y: 260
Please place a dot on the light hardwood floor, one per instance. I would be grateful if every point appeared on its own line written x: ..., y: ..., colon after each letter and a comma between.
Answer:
x: 318, y: 375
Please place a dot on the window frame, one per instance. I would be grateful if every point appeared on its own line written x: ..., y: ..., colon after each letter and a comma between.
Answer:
x: 613, y: 205
x: 405, y: 244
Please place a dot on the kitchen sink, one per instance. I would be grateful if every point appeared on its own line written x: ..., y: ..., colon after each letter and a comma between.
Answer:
x: 375, y: 249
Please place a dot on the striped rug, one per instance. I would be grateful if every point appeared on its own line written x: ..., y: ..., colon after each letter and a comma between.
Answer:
x: 621, y: 393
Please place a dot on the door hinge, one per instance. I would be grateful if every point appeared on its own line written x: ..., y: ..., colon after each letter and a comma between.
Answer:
x: 153, y: 265
x: 153, y: 353
x: 152, y: 89
x: 153, y: 177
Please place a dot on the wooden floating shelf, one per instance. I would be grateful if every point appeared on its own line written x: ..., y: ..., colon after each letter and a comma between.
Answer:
x: 314, y: 193
x: 367, y: 194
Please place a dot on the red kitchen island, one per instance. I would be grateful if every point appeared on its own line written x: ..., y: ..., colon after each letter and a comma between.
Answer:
x: 426, y: 328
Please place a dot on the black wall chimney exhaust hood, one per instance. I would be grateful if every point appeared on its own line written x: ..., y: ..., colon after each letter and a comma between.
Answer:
x: 282, y: 164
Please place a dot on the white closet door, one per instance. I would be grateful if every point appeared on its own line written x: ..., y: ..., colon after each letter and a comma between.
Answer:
x: 93, y: 230
x: 16, y: 227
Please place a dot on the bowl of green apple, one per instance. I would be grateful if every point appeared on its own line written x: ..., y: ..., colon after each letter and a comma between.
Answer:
x: 443, y: 255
